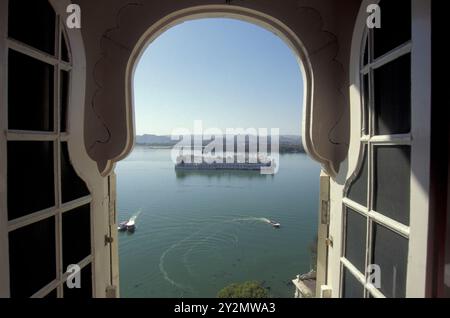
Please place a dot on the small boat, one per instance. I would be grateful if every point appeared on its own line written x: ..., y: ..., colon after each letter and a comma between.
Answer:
x: 131, y: 225
x: 122, y: 226
x: 275, y: 224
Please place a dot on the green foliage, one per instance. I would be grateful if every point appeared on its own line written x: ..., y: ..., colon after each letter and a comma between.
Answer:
x: 250, y: 289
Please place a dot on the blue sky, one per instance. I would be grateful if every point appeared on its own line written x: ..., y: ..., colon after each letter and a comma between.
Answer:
x: 227, y: 73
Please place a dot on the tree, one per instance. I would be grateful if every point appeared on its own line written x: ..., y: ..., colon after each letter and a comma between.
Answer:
x: 250, y: 289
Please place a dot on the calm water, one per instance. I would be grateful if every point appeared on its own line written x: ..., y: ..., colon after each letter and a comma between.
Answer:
x: 200, y: 231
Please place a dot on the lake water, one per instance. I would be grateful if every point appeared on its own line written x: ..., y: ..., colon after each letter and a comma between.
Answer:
x: 198, y: 232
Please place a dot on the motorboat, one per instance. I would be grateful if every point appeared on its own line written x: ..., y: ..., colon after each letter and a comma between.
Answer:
x: 122, y: 226
x: 131, y: 225
x: 275, y: 224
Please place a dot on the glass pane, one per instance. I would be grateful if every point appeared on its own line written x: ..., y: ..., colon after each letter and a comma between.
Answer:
x: 358, y: 189
x: 30, y: 181
x: 395, y: 26
x: 72, y: 187
x: 351, y: 287
x: 64, y: 91
x: 30, y: 93
x: 86, y: 285
x: 390, y: 252
x: 392, y: 188
x: 76, y: 235
x: 64, y: 49
x: 366, y: 51
x: 355, y: 239
x: 33, y: 23
x: 366, y: 104
x: 393, y: 97
x: 32, y: 257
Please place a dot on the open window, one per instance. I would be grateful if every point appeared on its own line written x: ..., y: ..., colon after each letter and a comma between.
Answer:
x: 385, y: 199
x: 46, y: 211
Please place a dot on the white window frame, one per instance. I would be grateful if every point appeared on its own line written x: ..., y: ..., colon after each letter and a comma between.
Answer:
x: 4, y: 248
x: 419, y: 139
x: 56, y: 137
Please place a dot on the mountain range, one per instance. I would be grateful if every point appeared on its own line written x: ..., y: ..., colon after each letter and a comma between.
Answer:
x: 166, y: 140
x: 287, y: 143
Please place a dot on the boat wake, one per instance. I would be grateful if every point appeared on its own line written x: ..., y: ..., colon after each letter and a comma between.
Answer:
x: 136, y: 215
x: 251, y: 219
x: 192, y: 242
x: 163, y: 257
x: 264, y: 220
x: 214, y: 237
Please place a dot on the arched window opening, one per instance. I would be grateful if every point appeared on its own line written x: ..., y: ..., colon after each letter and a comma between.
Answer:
x: 196, y: 231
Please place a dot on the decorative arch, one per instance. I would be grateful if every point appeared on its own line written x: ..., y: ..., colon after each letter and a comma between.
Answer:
x: 232, y: 12
x: 110, y: 122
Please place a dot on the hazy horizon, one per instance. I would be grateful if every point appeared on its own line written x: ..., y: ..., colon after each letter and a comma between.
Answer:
x: 150, y: 134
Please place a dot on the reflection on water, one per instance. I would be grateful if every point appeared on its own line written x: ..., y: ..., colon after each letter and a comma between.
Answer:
x: 200, y: 231
x: 211, y: 174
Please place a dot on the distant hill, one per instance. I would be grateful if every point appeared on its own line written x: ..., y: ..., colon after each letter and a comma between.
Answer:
x: 290, y: 139
x: 288, y: 143
x: 154, y: 139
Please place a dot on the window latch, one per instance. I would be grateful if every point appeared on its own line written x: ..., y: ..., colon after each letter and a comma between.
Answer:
x: 329, y: 241
x: 108, y: 239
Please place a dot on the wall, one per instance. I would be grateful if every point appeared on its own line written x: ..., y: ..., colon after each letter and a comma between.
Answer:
x: 116, y: 32
x: 112, y: 29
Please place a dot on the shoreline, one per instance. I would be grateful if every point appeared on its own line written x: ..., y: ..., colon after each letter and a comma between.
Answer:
x: 169, y: 147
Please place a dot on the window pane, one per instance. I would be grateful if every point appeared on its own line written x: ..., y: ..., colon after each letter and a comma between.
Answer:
x: 30, y: 177
x: 72, y: 187
x: 76, y: 235
x: 86, y: 285
x: 355, y: 239
x: 395, y: 26
x: 358, y: 189
x: 366, y: 51
x: 32, y: 257
x: 392, y: 182
x: 30, y: 93
x: 64, y: 49
x: 33, y: 23
x: 366, y: 104
x: 351, y: 287
x: 393, y: 97
x: 64, y: 91
x: 390, y: 252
